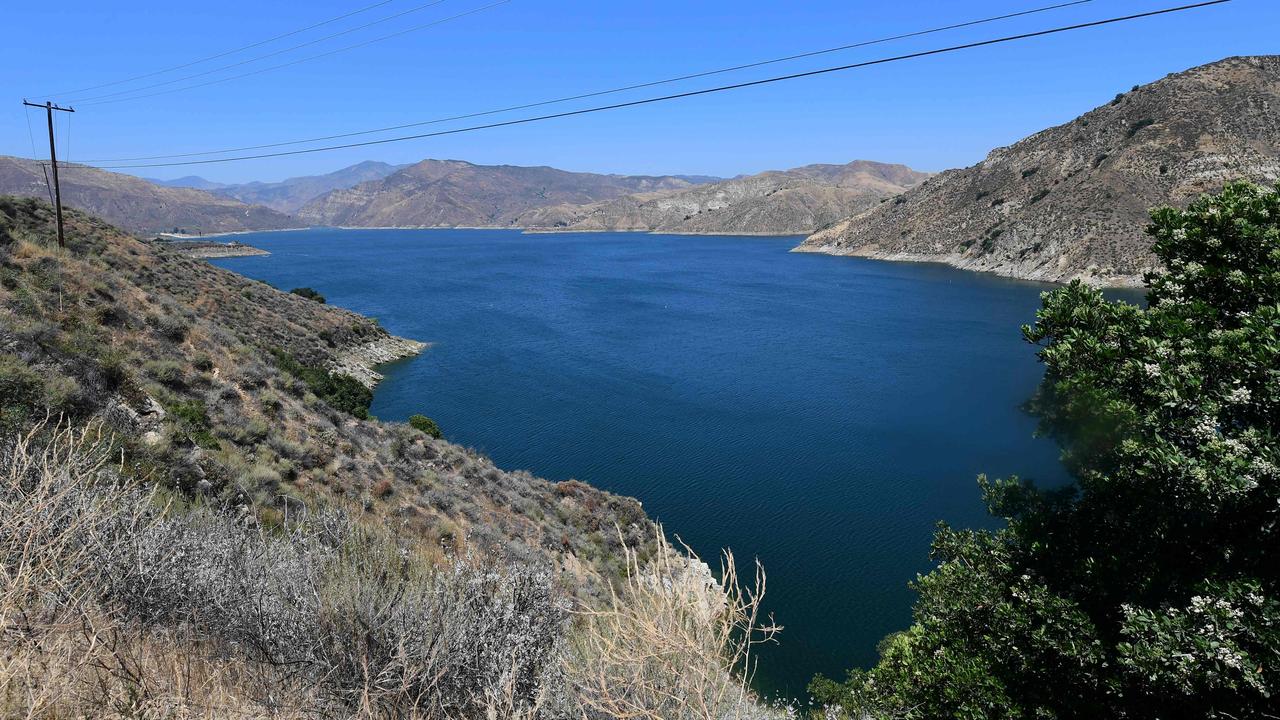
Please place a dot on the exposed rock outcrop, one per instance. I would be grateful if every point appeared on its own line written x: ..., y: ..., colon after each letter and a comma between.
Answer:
x: 359, y: 361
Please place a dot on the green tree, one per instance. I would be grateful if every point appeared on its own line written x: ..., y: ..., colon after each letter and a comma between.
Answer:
x: 1149, y: 588
x: 426, y: 425
x: 308, y: 293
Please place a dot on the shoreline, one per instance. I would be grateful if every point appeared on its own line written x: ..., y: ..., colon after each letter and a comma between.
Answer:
x: 1116, y: 281
x: 522, y: 230
x: 1129, y: 282
x: 361, y: 361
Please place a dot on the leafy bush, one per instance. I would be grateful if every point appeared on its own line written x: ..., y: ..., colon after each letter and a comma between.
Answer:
x: 342, y: 392
x: 308, y: 293
x: 426, y: 425
x: 192, y: 422
x: 1149, y: 588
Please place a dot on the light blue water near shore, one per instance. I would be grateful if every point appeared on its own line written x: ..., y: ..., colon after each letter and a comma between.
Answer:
x: 819, y: 413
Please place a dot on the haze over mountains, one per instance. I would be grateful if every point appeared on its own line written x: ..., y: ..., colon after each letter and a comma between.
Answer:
x: 288, y: 196
x: 1073, y: 200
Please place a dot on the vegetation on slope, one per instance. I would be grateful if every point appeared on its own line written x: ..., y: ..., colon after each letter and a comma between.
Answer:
x: 223, y: 388
x: 207, y: 530
x: 1150, y: 588
x: 125, y: 602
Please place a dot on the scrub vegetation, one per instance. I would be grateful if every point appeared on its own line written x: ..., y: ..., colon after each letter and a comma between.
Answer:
x: 199, y: 519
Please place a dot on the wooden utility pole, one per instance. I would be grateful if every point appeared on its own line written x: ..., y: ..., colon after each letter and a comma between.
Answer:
x: 53, y: 160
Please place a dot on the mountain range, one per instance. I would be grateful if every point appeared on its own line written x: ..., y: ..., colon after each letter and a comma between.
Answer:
x: 452, y: 193
x: 779, y: 202
x: 1072, y: 201
x: 1067, y: 202
x: 137, y: 205
x: 288, y: 196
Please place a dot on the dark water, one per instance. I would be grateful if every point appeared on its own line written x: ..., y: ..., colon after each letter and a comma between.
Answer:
x: 819, y: 413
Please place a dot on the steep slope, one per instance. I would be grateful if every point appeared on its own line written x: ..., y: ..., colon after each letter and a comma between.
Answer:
x: 138, y: 205
x: 224, y: 387
x: 1072, y: 201
x: 288, y: 196
x: 789, y: 202
x: 447, y: 193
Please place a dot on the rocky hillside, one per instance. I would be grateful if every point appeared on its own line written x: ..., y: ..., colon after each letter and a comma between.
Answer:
x: 137, y: 205
x: 1072, y: 201
x: 226, y: 388
x: 787, y: 202
x: 451, y: 193
x: 289, y: 196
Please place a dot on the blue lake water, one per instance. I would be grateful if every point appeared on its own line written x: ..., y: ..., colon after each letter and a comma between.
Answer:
x: 819, y: 413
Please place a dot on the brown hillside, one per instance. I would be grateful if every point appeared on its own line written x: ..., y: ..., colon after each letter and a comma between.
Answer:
x: 1072, y: 201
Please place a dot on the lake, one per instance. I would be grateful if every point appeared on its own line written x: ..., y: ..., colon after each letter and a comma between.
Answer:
x: 819, y: 413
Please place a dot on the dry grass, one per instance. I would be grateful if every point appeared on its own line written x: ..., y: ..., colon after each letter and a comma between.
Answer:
x: 673, y: 643
x: 111, y: 606
x: 61, y: 654
x: 115, y: 605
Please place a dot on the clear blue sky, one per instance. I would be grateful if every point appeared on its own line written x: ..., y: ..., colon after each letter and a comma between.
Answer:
x: 930, y: 113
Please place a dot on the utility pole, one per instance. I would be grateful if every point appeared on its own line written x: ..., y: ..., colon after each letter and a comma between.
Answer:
x: 53, y: 159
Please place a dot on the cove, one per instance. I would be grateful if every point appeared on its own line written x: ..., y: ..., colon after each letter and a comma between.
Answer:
x: 819, y: 413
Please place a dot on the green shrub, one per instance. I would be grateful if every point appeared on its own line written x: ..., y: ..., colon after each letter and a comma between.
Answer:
x: 425, y: 424
x: 166, y: 372
x: 1149, y: 589
x: 308, y: 293
x: 342, y: 392
x: 191, y: 420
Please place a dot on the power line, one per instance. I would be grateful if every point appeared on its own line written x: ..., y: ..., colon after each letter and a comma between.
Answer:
x: 610, y: 91
x: 272, y: 54
x: 53, y: 162
x: 228, y: 52
x: 308, y: 58
x: 35, y: 155
x: 695, y: 93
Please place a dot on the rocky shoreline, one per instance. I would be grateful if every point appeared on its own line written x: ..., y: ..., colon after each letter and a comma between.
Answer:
x: 359, y: 361
x: 204, y: 249
x: 1012, y: 271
